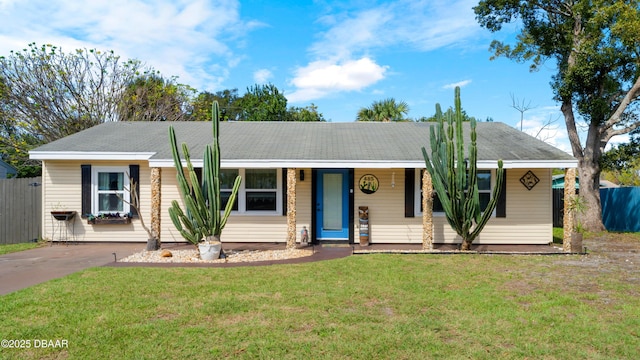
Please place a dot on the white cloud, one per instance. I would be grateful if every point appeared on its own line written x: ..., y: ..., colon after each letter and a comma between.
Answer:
x: 262, y: 76
x: 424, y: 25
x: 461, y: 84
x: 176, y: 37
x: 323, y: 77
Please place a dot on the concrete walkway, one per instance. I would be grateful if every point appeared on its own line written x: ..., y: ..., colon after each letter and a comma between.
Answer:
x: 27, y: 268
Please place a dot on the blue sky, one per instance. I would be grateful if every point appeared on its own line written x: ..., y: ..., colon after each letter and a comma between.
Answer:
x: 338, y: 55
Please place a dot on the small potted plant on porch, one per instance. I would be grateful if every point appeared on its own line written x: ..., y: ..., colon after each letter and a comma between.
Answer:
x: 202, y: 222
x: 578, y: 207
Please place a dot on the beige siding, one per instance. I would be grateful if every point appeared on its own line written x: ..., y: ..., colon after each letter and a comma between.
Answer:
x: 529, y: 218
x: 242, y: 227
x: 62, y: 190
x: 387, y: 223
x: 529, y: 213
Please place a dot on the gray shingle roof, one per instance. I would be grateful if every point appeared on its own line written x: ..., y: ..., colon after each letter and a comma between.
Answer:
x: 300, y: 141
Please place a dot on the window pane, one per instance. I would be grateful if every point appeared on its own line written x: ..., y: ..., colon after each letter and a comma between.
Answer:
x: 111, y: 181
x: 332, y: 200
x: 437, y: 205
x: 484, y: 180
x: 261, y: 201
x: 261, y: 178
x: 227, y: 177
x: 224, y: 198
x: 484, y: 200
x: 109, y: 203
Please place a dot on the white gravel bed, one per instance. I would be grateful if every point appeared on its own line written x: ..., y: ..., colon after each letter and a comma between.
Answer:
x: 191, y: 256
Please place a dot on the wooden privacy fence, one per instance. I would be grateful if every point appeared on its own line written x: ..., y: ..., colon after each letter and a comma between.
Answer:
x: 20, y: 210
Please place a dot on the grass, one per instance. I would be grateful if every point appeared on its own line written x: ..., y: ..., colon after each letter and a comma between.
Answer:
x: 360, y: 307
x: 11, y: 248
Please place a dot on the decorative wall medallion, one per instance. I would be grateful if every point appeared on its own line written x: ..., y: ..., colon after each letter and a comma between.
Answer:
x: 529, y: 180
x: 368, y: 184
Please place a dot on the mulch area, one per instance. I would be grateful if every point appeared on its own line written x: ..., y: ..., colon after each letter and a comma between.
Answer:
x: 336, y: 251
x: 320, y: 253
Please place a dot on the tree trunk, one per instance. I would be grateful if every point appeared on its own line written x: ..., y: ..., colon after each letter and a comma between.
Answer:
x: 591, y: 220
x: 588, y: 167
x: 466, y: 245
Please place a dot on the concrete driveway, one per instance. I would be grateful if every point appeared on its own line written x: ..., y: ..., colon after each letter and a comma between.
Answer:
x: 27, y: 268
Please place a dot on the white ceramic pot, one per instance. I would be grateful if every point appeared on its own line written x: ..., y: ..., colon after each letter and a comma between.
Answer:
x: 210, y: 251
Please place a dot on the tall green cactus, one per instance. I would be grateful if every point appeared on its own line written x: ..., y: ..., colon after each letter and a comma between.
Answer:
x: 202, y: 218
x: 457, y: 191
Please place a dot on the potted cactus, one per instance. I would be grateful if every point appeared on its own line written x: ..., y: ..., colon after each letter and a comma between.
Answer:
x: 578, y: 207
x: 201, y: 222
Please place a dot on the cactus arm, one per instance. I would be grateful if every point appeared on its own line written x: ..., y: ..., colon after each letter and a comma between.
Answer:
x: 178, y: 218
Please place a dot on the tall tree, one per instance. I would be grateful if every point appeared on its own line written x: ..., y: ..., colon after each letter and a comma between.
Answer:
x: 386, y: 110
x: 594, y: 45
x: 621, y: 164
x: 47, y: 94
x: 151, y: 97
x: 263, y: 103
x: 307, y: 113
x: 52, y: 94
x: 228, y: 100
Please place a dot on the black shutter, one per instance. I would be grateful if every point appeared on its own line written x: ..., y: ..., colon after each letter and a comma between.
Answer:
x: 85, y: 189
x: 409, y: 192
x: 501, y: 206
x: 284, y: 192
x: 134, y: 174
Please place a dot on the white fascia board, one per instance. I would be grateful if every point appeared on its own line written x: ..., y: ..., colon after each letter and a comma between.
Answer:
x: 539, y: 164
x: 81, y: 155
x: 270, y: 164
x: 364, y: 164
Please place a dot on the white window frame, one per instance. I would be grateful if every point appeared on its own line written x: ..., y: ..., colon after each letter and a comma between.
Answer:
x: 95, y: 170
x: 242, y: 194
x: 418, y: 192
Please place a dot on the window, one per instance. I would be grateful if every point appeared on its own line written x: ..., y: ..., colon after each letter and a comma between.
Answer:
x: 485, y: 183
x: 260, y: 191
x: 227, y: 178
x: 110, y: 190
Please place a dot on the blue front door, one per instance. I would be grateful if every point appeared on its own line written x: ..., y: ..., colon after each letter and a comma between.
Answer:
x: 332, y: 205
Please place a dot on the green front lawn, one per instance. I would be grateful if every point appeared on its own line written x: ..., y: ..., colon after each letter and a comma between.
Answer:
x: 363, y: 306
x: 10, y: 248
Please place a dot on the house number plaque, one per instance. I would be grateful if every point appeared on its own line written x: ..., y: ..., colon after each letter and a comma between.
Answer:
x: 368, y: 184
